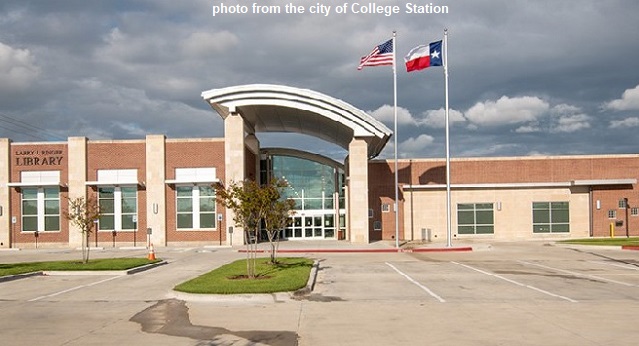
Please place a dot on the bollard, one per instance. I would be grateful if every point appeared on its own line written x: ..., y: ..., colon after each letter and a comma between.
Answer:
x: 612, y: 230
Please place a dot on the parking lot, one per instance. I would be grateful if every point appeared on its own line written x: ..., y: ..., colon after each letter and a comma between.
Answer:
x: 499, y: 294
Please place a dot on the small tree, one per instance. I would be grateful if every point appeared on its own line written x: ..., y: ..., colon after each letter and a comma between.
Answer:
x: 278, y: 214
x: 83, y: 214
x: 252, y: 204
x: 239, y: 198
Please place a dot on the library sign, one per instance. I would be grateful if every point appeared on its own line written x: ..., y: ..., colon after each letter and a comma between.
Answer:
x: 39, y: 157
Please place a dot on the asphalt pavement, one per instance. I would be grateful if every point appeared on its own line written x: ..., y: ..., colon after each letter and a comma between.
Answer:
x: 526, y: 293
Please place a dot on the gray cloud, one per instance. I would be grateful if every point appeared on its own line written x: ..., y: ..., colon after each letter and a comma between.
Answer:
x: 17, y: 69
x: 525, y: 77
x: 628, y: 101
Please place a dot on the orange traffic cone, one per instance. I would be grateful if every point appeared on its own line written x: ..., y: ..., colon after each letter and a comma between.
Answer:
x: 151, y: 256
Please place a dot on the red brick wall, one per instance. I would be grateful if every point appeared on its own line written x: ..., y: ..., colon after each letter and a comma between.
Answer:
x: 119, y: 155
x: 509, y: 170
x: 524, y: 170
x: 381, y: 190
x: 38, y: 157
x: 192, y: 154
x: 609, y: 200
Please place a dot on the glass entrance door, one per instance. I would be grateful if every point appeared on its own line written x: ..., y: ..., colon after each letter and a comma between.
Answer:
x: 311, y: 226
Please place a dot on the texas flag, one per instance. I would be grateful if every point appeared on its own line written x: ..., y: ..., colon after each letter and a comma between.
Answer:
x: 424, y: 56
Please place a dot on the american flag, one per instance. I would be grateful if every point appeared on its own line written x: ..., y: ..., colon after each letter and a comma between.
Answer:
x: 381, y: 55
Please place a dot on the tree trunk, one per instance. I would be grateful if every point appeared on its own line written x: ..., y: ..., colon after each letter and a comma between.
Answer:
x: 253, y: 274
x: 84, y: 249
x: 271, y: 235
x: 277, y: 244
x: 248, y: 252
x: 88, y: 248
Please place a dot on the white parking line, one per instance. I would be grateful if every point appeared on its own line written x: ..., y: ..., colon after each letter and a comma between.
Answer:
x: 441, y: 300
x: 73, y: 289
x: 516, y: 283
x: 595, y: 277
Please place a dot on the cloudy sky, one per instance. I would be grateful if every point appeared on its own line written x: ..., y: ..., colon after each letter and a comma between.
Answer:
x: 540, y: 77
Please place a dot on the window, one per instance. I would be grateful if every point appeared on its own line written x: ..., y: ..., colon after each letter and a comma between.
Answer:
x: 370, y: 213
x: 634, y: 211
x: 622, y: 203
x: 385, y: 208
x: 40, y: 209
x: 195, y: 207
x: 475, y: 218
x: 612, y: 214
x: 118, y: 208
x: 551, y: 217
x: 377, y: 225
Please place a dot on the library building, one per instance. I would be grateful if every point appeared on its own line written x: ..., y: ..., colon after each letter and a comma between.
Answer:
x: 160, y: 190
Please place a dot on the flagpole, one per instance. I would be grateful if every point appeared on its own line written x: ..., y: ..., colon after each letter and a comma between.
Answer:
x: 448, y: 211
x: 395, y: 135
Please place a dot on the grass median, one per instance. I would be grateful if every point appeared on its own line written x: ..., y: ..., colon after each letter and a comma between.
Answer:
x: 94, y: 264
x: 621, y: 241
x: 289, y: 274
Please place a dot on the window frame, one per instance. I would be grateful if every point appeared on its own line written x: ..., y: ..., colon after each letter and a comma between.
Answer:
x: 622, y: 203
x: 195, y: 211
x: 118, y: 214
x: 482, y: 208
x: 551, y: 223
x: 41, y: 214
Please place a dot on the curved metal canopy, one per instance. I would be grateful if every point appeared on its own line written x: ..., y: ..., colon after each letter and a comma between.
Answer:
x: 278, y: 108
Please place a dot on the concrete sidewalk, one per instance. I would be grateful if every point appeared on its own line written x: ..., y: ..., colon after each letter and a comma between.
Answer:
x: 284, y: 247
x: 341, y: 246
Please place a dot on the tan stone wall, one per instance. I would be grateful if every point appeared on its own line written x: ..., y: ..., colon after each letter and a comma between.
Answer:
x: 77, y: 181
x: 426, y: 209
x: 358, y: 191
x: 155, y: 190
x: 234, y: 161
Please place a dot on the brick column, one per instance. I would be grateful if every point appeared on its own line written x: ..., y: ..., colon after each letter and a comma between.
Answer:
x: 358, y: 190
x: 156, y: 189
x: 234, y: 147
x: 77, y: 151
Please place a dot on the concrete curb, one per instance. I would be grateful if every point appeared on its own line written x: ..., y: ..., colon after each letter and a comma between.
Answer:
x: 310, y: 284
x: 106, y: 272
x: 426, y: 249
x: 589, y: 247
x: 247, y: 298
x: 83, y: 272
x: 18, y: 276
x: 257, y: 298
x: 10, y: 249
